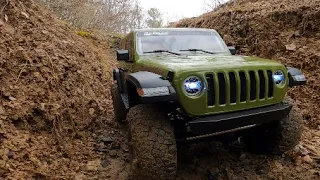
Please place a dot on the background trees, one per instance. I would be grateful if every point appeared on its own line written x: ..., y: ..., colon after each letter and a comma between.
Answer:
x: 109, y: 15
x: 154, y: 18
x: 119, y: 16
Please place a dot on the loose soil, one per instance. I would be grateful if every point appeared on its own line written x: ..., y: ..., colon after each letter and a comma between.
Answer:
x: 55, y: 104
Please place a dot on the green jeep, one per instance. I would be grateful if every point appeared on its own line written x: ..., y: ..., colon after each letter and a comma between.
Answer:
x: 178, y: 85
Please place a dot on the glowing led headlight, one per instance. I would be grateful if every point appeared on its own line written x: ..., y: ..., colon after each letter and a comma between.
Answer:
x: 152, y: 92
x: 193, y: 86
x: 279, y: 78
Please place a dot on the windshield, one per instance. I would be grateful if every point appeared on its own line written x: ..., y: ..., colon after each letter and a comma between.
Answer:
x: 180, y: 41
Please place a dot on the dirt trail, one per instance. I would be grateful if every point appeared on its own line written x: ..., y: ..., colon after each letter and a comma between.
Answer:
x: 56, y: 113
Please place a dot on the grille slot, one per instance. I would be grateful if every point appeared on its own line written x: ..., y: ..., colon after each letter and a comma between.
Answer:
x: 222, y: 88
x: 243, y: 86
x: 253, y: 85
x: 270, y: 83
x: 262, y: 79
x: 232, y: 87
x: 211, y: 91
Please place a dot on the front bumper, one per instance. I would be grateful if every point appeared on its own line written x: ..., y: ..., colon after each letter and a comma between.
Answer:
x: 225, y: 122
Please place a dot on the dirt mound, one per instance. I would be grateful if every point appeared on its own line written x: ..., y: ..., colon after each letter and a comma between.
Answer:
x: 285, y: 30
x: 54, y: 97
x: 55, y: 104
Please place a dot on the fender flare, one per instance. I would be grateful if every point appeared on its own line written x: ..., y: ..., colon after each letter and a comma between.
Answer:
x: 296, y: 77
x: 146, y: 80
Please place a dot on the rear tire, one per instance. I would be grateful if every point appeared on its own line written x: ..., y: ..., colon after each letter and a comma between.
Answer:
x: 120, y: 111
x: 152, y: 144
x: 278, y: 136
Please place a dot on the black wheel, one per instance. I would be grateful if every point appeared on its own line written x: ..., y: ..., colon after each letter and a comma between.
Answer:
x: 276, y: 137
x: 152, y: 144
x: 120, y: 111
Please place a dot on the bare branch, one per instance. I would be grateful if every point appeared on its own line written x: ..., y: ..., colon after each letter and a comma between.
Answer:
x: 111, y: 15
x: 2, y: 9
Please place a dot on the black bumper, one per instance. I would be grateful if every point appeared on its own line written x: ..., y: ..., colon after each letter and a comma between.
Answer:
x: 223, y: 122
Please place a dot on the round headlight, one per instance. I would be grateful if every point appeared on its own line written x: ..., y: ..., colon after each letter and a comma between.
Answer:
x: 279, y: 78
x: 193, y: 86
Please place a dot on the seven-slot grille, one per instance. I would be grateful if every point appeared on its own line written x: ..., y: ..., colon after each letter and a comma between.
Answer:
x: 235, y: 87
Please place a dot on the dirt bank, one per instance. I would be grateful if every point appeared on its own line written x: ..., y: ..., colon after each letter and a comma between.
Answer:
x: 55, y: 106
x: 54, y: 99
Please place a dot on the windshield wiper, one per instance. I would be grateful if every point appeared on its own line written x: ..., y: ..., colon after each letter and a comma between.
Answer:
x: 194, y: 50
x: 161, y: 51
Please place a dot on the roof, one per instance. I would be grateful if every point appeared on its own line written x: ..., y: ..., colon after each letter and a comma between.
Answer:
x: 172, y: 29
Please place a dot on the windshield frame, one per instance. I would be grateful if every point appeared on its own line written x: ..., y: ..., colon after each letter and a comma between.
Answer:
x: 225, y: 49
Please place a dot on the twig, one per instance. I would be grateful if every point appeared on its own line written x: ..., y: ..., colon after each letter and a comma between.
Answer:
x: 53, y: 69
x: 83, y: 103
x: 21, y: 72
x: 7, y: 2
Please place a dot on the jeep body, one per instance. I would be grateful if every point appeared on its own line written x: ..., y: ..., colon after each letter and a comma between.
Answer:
x: 202, y: 80
x: 182, y: 84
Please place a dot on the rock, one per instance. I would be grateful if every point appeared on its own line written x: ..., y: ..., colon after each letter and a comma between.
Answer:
x: 105, y: 163
x: 80, y: 176
x: 91, y: 111
x: 12, y: 98
x: 278, y: 166
x: 106, y: 139
x: 307, y: 159
x: 109, y: 122
x: 300, y: 150
x: 297, y: 33
x: 115, y: 145
x: 113, y: 153
x: 291, y: 47
x: 10, y: 154
x: 101, y: 147
x: 2, y: 110
x: 37, y: 75
x: 243, y: 156
x: 93, y: 165
x: 45, y: 32
x: 1, y: 23
x: 102, y: 150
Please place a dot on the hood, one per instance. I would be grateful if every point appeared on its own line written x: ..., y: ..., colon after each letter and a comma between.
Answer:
x: 193, y: 63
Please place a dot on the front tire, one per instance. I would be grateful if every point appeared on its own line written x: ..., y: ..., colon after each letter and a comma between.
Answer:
x: 152, y: 143
x: 278, y: 136
x: 120, y: 111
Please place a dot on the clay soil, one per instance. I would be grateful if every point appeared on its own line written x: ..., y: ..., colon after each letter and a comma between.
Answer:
x: 56, y: 115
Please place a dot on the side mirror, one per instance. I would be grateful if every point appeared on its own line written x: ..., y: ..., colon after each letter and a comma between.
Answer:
x: 232, y: 50
x: 122, y: 55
